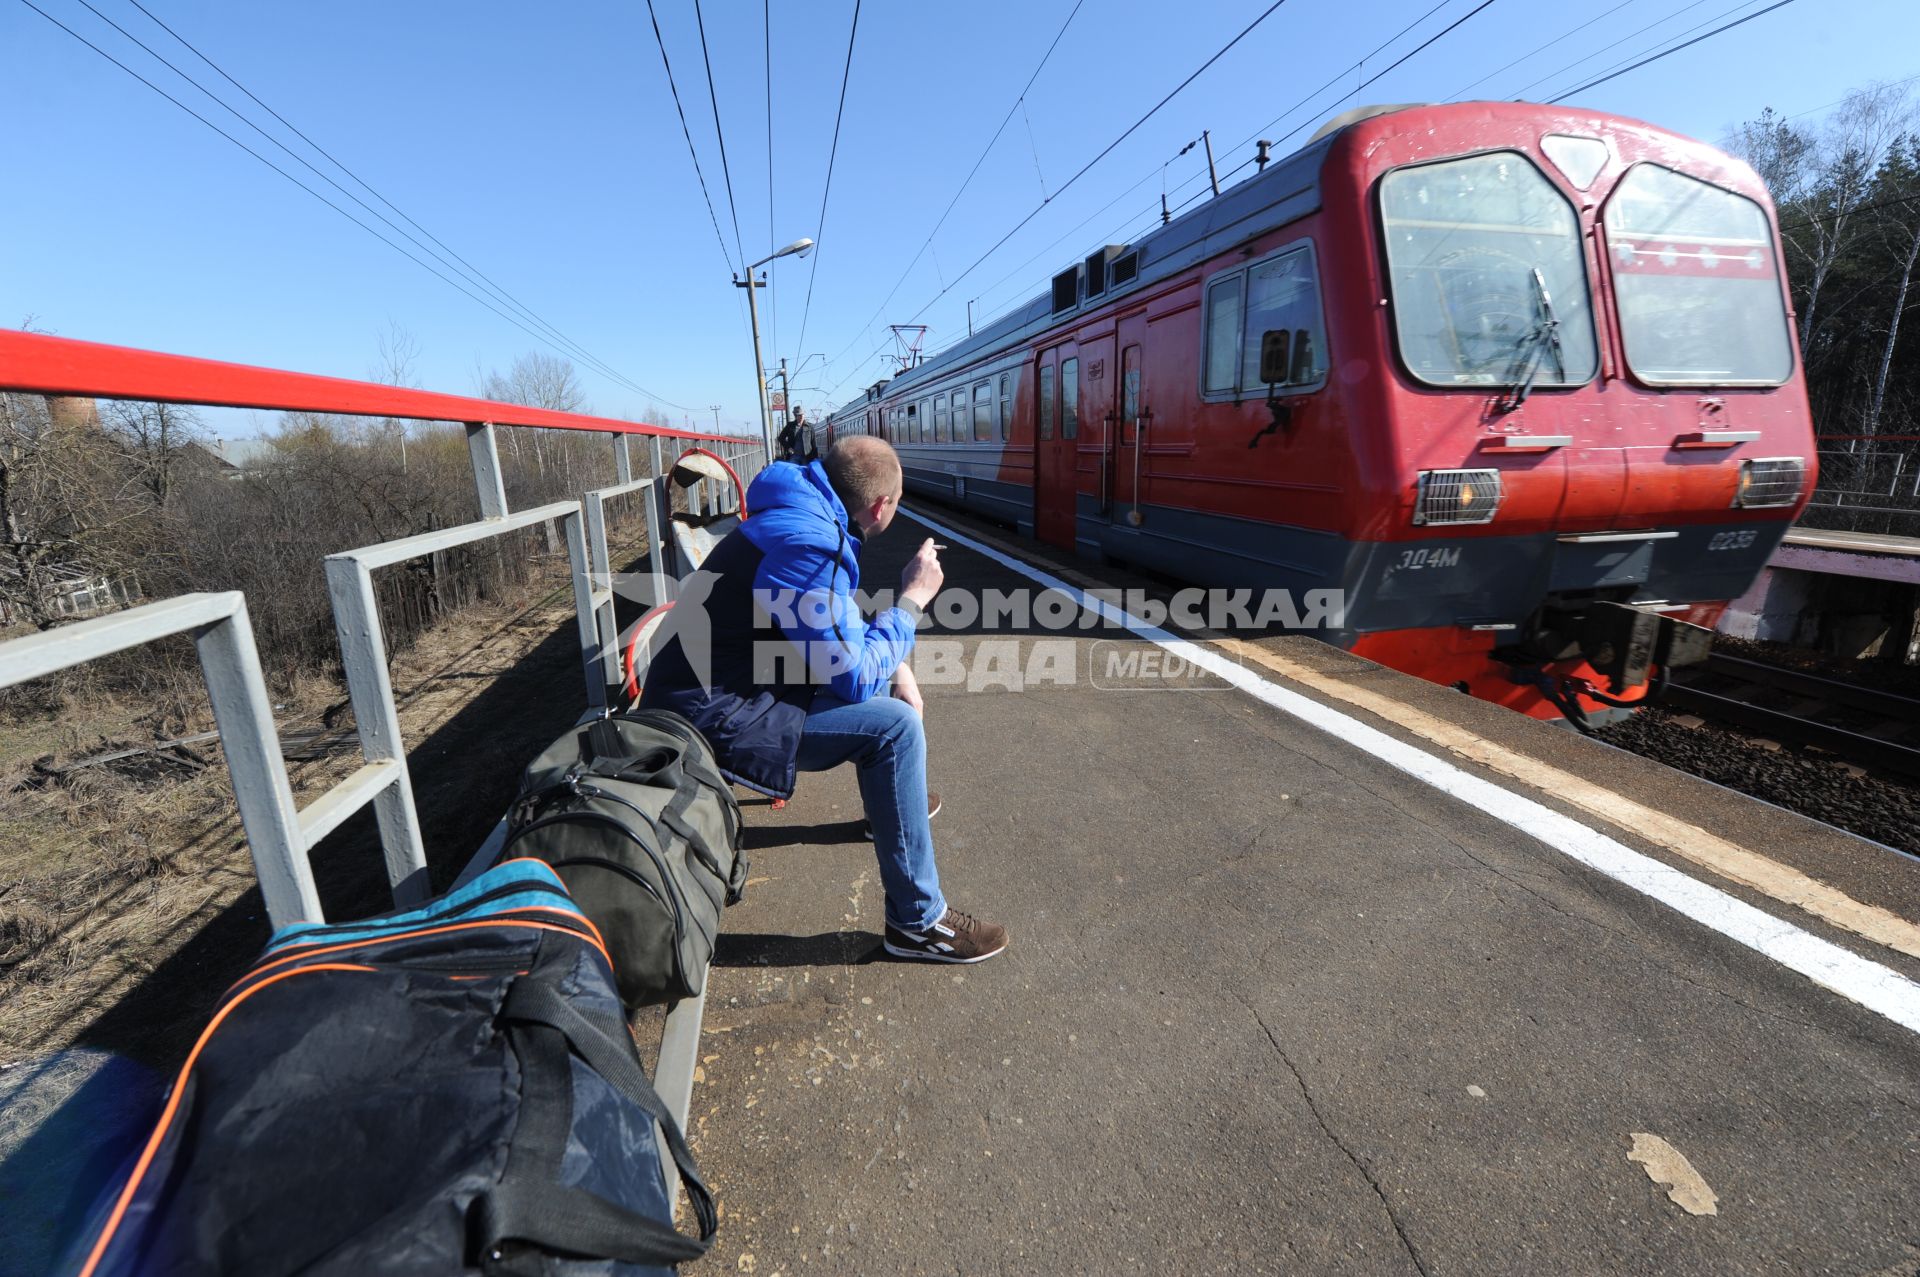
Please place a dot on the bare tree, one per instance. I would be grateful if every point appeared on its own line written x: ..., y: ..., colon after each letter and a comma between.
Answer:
x: 397, y: 366
x: 153, y: 438
x: 539, y: 381
x: 1896, y: 216
x: 1857, y: 139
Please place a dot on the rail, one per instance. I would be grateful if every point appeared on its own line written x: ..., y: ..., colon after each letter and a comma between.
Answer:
x: 280, y: 836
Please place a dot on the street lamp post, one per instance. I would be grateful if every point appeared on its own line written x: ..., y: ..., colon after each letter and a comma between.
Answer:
x: 799, y: 248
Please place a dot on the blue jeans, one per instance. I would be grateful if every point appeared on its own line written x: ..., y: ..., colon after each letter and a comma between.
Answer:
x: 884, y: 739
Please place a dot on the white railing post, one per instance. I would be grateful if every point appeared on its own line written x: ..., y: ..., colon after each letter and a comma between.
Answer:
x: 622, y: 460
x: 488, y: 482
x: 363, y: 657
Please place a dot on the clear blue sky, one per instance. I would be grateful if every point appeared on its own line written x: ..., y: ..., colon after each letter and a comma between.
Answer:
x: 540, y: 143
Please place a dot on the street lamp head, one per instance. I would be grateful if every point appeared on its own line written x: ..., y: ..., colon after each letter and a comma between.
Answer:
x: 799, y: 248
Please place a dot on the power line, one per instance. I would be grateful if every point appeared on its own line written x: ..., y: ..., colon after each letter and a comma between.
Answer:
x: 447, y: 279
x: 472, y: 270
x: 469, y: 274
x: 1537, y: 51
x: 1781, y: 4
x: 773, y: 296
x: 1423, y: 46
x: 720, y: 133
x: 1525, y: 89
x: 982, y: 159
x: 1418, y: 49
x: 688, y: 134
x: 1107, y: 150
x: 1892, y: 84
x: 846, y: 73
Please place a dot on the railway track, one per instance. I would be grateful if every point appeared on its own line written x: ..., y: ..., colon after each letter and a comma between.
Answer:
x: 1871, y: 728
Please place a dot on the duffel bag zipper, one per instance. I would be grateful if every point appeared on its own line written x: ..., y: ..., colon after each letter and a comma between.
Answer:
x: 708, y: 863
x: 601, y: 862
x: 498, y: 893
x: 581, y: 928
x: 672, y: 896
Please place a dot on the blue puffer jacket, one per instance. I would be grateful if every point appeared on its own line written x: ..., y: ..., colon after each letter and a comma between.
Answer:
x: 774, y: 610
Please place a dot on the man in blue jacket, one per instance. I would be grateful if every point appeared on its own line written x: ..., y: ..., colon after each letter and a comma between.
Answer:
x: 795, y: 679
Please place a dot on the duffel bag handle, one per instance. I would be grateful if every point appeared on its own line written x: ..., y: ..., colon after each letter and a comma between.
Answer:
x: 520, y: 1211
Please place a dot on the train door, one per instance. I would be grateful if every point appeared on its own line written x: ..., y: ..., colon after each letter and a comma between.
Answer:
x: 1130, y: 416
x: 1056, y: 440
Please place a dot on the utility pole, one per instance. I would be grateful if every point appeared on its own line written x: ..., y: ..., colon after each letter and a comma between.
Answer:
x: 1206, y: 139
x: 714, y: 408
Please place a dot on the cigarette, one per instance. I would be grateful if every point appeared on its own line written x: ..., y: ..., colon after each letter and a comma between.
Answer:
x: 939, y: 547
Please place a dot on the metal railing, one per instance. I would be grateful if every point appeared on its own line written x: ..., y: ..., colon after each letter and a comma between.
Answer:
x: 279, y: 837
x: 1867, y: 485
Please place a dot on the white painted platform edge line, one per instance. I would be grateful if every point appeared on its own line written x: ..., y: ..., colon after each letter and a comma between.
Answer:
x: 1880, y: 989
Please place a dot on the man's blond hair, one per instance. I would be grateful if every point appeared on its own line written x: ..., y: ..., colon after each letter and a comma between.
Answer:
x: 862, y: 469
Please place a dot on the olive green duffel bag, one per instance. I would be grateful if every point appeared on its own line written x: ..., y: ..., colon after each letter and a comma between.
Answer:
x: 634, y: 816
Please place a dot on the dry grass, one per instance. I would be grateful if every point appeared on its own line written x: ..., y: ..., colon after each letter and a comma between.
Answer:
x: 109, y: 872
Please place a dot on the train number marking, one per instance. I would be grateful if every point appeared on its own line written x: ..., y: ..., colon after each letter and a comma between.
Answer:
x: 1738, y: 540
x: 1438, y: 557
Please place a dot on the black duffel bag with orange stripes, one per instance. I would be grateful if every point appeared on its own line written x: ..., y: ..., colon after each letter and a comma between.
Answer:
x: 444, y: 1090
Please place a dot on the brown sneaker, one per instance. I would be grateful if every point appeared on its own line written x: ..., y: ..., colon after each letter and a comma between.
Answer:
x: 933, y: 809
x: 957, y: 937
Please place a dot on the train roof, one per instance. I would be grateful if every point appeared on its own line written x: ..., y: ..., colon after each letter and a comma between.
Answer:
x: 1286, y: 189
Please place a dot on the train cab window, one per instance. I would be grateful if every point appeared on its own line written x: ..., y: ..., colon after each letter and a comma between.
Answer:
x: 1006, y: 406
x: 1223, y: 335
x: 1069, y: 398
x: 1046, y: 401
x: 1485, y: 268
x: 1696, y: 282
x: 982, y: 411
x: 1280, y: 293
x: 1283, y: 293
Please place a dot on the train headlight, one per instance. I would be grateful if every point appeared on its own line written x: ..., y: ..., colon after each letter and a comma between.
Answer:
x: 1457, y: 496
x: 1770, y: 481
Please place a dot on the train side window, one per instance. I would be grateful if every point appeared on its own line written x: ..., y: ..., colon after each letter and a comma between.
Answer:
x: 1069, y: 398
x: 1223, y: 336
x: 939, y: 418
x: 1006, y: 406
x: 926, y: 421
x: 1046, y: 401
x: 982, y: 411
x: 1283, y: 293
x: 960, y: 415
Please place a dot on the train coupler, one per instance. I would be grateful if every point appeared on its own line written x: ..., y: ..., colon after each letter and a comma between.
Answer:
x: 1625, y: 644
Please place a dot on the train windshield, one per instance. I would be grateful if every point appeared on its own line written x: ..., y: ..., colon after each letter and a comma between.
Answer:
x: 1476, y: 247
x: 1697, y: 284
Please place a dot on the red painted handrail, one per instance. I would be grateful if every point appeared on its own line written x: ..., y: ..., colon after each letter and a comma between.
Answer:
x: 34, y: 363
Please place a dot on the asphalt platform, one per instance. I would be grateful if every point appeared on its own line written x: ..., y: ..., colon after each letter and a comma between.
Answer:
x: 1276, y: 1005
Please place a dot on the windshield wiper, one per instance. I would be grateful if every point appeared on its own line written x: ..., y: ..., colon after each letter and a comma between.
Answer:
x: 1543, y: 336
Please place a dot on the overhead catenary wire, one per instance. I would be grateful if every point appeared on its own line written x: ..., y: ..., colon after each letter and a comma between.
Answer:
x: 1537, y: 50
x: 1105, y: 151
x: 474, y: 272
x: 1780, y: 4
x: 686, y: 132
x: 773, y: 296
x: 445, y: 256
x: 720, y: 134
x: 451, y: 281
x: 1521, y: 92
x: 833, y: 153
x: 1429, y: 42
x: 965, y: 182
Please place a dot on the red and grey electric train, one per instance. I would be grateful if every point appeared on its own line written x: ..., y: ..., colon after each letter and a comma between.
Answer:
x: 1519, y: 380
